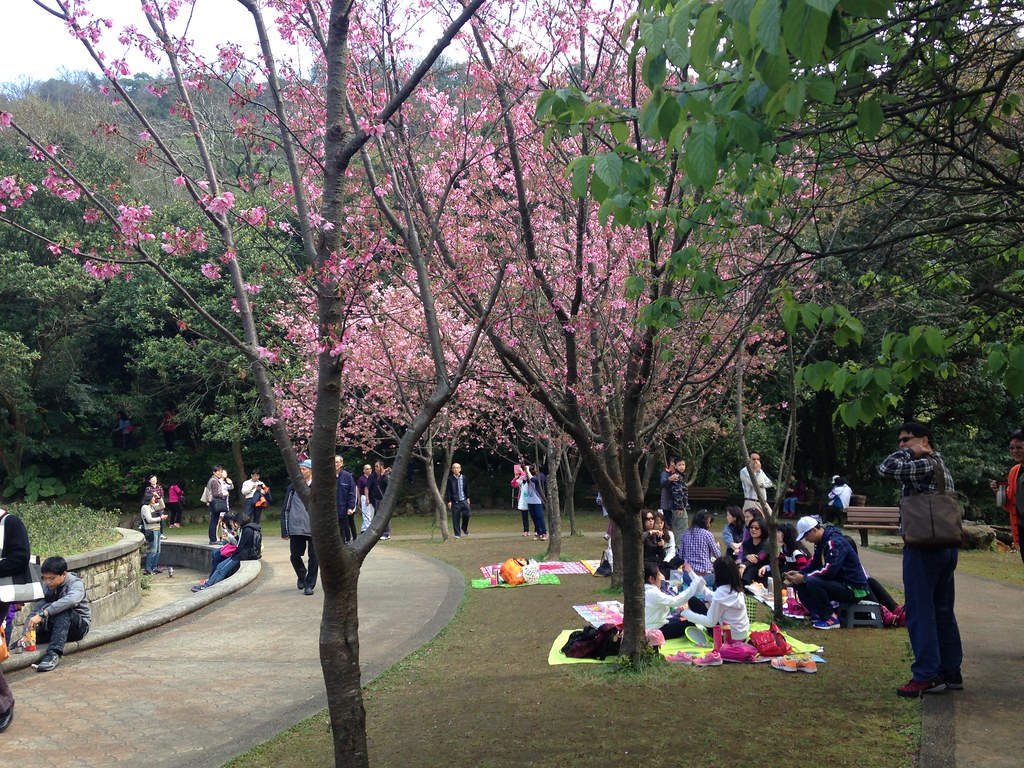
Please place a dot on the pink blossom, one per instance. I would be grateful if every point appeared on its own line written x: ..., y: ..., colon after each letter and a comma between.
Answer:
x: 91, y: 216
x: 179, y: 180
x: 5, y: 119
x: 222, y: 203
x: 269, y: 421
x: 145, y: 136
x: 102, y: 270
x: 211, y: 271
x: 54, y: 249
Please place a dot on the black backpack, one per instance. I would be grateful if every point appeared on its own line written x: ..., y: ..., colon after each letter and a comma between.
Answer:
x: 257, y: 543
x: 593, y: 642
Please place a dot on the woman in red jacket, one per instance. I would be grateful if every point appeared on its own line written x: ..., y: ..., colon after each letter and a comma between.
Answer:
x: 1014, y: 493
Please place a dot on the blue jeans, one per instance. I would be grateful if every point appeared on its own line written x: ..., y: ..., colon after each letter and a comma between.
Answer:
x: 226, y: 567
x: 153, y: 556
x: 537, y: 513
x: 789, y: 505
x: 934, y: 635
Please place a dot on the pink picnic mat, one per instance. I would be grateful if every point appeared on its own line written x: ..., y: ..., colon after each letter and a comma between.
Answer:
x: 555, y: 569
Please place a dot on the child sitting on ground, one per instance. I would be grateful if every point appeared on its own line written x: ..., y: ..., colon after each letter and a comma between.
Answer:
x: 728, y: 605
x: 658, y: 605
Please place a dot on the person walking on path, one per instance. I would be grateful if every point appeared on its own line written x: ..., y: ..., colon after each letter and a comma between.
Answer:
x: 1013, y: 502
x: 928, y: 574
x: 345, y: 498
x: 296, y: 528
x: 456, y: 494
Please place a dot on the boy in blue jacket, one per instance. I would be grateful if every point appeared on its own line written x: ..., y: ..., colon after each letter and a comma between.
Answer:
x: 835, y: 573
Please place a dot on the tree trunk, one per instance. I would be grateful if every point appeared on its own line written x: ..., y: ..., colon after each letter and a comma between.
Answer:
x: 571, y: 468
x: 616, y: 557
x: 440, y: 512
x: 634, y: 638
x: 553, y: 506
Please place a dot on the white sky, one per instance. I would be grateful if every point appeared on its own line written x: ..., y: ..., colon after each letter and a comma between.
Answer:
x: 36, y: 45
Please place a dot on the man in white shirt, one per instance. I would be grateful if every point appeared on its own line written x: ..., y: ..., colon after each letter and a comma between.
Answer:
x: 750, y: 486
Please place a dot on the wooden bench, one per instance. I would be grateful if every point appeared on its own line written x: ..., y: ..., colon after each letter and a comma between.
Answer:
x: 865, y: 518
x: 710, y: 495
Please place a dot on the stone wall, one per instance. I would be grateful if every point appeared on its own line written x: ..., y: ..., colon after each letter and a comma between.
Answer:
x: 111, y: 575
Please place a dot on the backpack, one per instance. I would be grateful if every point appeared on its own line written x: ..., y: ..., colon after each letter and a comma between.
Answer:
x: 512, y: 571
x: 770, y: 642
x: 737, y: 650
x: 593, y: 642
x: 257, y: 543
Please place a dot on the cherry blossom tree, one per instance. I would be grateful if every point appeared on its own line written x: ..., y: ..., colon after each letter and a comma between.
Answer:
x: 308, y: 210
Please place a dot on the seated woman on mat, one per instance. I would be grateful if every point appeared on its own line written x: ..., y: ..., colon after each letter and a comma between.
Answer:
x: 697, y: 546
x: 792, y: 557
x: 658, y: 605
x: 732, y: 534
x: 659, y: 544
x: 754, y: 552
x: 728, y: 604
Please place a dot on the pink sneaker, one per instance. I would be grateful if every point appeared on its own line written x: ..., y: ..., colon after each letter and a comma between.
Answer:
x: 713, y: 659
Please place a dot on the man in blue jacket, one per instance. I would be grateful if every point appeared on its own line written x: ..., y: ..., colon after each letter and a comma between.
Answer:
x: 835, y: 573
x: 346, y: 500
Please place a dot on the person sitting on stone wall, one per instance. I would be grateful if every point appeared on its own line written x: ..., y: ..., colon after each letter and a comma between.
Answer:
x: 62, y: 615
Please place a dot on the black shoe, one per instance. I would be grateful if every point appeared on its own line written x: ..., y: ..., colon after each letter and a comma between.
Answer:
x: 954, y: 681
x: 48, y: 663
x: 7, y: 718
x: 307, y: 591
x: 301, y: 584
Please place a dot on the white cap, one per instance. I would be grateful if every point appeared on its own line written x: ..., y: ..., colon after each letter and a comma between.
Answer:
x: 805, y: 524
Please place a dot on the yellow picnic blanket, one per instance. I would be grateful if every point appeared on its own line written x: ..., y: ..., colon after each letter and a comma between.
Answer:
x: 556, y: 657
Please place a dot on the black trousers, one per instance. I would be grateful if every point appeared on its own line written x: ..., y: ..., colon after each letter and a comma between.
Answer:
x: 306, y: 573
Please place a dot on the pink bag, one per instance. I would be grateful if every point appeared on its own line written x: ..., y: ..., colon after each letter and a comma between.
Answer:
x: 738, y: 651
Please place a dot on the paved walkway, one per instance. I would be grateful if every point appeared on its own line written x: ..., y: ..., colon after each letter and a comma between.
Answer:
x: 980, y: 725
x: 199, y: 691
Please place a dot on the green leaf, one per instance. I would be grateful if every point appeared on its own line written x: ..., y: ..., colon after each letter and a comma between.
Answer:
x: 654, y: 69
x: 669, y: 116
x: 620, y: 130
x: 822, y: 89
x: 608, y: 168
x: 825, y: 6
x: 795, y: 98
x: 743, y: 130
x: 766, y: 21
x: 1013, y: 380
x: 869, y: 117
x: 701, y: 159
x: 580, y: 170
x: 739, y: 10
x: 804, y: 29
x: 704, y: 41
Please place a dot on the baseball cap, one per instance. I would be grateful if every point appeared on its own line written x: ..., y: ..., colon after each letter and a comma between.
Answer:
x: 805, y: 524
x: 306, y: 464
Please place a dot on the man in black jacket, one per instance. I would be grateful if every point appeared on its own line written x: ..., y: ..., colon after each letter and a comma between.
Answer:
x: 456, y: 493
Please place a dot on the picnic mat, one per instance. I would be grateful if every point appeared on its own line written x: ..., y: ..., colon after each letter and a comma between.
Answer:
x: 545, y: 578
x: 556, y: 569
x: 555, y: 656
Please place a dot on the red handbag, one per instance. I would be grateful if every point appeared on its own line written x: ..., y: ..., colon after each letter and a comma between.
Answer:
x: 770, y: 642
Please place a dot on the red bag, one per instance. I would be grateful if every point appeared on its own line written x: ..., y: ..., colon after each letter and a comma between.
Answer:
x: 770, y: 642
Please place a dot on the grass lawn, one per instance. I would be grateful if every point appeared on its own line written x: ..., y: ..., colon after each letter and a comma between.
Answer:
x: 482, y: 693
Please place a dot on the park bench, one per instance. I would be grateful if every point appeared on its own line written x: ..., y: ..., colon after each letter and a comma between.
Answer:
x: 706, y: 497
x: 865, y: 518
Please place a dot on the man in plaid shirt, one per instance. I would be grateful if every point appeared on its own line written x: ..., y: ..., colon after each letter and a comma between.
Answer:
x: 927, y: 574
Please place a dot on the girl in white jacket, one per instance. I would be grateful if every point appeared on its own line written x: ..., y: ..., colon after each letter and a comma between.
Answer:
x: 728, y: 605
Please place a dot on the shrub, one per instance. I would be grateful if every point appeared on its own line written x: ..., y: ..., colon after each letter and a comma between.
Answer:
x: 64, y: 530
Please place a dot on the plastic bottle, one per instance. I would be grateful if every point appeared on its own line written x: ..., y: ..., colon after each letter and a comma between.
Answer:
x: 726, y: 633
x: 30, y: 640
x: 716, y: 632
